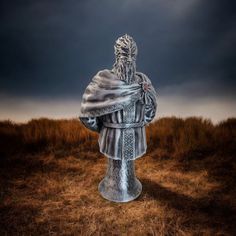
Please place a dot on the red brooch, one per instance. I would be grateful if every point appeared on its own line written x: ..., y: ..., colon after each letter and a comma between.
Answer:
x: 145, y: 86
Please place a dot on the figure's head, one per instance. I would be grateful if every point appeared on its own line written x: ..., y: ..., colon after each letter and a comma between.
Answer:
x: 125, y: 49
x: 125, y: 52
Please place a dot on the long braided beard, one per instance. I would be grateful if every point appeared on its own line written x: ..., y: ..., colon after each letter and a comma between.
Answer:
x: 125, y: 71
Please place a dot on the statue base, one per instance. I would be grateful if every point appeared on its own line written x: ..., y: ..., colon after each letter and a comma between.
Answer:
x: 120, y: 183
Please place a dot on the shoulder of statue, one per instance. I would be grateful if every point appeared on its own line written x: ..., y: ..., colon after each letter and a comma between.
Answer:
x: 142, y: 77
x: 102, y: 75
x: 106, y: 73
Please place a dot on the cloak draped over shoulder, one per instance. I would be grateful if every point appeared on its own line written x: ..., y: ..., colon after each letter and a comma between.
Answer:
x: 106, y: 93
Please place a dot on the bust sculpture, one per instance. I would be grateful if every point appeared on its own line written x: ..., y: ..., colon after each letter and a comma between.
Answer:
x: 118, y: 103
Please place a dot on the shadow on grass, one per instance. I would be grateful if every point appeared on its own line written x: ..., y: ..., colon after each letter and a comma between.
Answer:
x: 210, y: 211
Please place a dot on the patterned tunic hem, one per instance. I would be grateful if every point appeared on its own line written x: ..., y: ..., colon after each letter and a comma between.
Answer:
x: 130, y: 159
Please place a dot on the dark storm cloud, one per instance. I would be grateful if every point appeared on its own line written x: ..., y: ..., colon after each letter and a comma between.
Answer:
x: 52, y: 48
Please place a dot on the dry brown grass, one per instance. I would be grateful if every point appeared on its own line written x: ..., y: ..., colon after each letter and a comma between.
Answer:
x: 50, y: 170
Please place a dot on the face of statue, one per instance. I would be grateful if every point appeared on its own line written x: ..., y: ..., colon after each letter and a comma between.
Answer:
x: 126, y: 53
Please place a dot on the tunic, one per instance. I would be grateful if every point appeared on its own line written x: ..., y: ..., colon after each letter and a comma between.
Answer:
x: 122, y: 133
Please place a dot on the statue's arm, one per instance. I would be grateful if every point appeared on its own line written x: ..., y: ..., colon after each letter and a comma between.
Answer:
x: 150, y: 103
x: 150, y: 112
x: 92, y: 123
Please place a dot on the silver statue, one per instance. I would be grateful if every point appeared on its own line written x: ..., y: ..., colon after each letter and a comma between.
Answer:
x: 118, y: 103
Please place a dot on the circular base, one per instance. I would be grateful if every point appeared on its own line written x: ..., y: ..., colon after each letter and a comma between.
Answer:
x: 119, y: 195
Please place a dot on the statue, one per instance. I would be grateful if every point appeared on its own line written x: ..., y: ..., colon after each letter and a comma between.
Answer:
x: 118, y: 103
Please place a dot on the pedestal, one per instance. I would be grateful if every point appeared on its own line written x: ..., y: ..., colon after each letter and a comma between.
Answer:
x: 120, y: 183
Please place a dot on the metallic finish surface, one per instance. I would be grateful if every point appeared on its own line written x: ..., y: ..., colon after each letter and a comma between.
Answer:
x: 120, y: 183
x: 117, y: 104
x: 121, y: 139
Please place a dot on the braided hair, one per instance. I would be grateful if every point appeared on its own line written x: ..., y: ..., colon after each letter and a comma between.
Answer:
x: 125, y: 46
x: 126, y: 52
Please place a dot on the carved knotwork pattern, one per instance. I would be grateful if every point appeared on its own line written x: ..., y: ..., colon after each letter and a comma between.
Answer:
x: 128, y: 143
x: 128, y: 135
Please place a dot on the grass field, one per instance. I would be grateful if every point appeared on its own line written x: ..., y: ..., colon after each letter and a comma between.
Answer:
x: 50, y: 170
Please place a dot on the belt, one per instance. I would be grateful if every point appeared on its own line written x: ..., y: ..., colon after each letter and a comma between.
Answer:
x: 124, y: 125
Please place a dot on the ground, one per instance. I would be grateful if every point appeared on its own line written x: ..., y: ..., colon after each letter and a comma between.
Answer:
x: 54, y: 190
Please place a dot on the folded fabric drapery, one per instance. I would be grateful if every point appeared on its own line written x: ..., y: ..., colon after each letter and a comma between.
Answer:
x: 107, y: 93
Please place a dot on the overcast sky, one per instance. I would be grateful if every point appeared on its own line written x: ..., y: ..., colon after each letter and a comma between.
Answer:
x: 50, y: 49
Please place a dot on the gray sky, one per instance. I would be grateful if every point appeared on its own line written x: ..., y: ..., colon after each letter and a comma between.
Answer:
x: 49, y: 50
